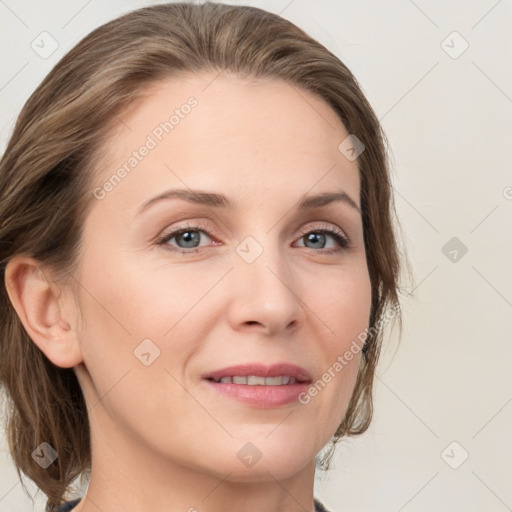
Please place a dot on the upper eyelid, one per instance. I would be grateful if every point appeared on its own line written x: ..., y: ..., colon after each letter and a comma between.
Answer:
x: 204, y: 227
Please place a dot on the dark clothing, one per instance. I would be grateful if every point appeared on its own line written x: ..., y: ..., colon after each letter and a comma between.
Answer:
x: 69, y: 505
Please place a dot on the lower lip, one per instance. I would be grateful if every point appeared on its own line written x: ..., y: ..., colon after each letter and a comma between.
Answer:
x: 264, y: 397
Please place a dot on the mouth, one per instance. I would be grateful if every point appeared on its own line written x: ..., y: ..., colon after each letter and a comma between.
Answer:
x: 259, y: 385
x: 257, y: 374
x: 254, y: 380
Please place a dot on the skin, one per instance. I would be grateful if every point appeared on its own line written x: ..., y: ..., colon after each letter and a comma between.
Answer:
x: 162, y: 440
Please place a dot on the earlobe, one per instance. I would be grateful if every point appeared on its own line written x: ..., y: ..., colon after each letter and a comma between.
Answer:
x: 39, y: 306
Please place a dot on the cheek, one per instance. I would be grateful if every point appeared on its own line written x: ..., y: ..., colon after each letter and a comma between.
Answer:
x: 344, y: 305
x: 136, y: 314
x: 141, y: 301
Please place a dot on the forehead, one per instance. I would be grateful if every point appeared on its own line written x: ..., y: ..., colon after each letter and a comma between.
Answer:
x: 214, y: 130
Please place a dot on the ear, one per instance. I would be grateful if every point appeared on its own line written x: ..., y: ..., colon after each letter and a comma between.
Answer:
x: 39, y: 305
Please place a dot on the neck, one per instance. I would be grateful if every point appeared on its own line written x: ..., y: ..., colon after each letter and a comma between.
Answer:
x: 127, y: 474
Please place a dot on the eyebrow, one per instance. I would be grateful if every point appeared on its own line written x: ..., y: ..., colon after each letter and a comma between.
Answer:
x: 216, y: 200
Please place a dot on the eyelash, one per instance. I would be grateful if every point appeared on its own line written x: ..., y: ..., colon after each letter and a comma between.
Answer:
x: 342, y: 240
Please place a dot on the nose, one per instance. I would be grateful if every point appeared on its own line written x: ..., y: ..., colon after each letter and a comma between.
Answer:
x: 264, y: 295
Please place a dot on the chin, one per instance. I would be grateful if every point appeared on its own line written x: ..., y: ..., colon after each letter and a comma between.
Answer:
x: 255, y: 461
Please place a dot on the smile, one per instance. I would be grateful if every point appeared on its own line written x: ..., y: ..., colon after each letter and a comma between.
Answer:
x: 253, y: 380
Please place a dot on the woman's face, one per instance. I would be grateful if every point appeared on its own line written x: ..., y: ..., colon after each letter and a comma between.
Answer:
x: 252, y: 279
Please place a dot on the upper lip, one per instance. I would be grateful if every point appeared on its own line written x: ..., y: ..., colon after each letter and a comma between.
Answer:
x: 261, y: 370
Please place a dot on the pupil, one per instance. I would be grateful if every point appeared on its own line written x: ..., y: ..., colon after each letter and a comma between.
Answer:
x: 315, y: 237
x: 190, y: 237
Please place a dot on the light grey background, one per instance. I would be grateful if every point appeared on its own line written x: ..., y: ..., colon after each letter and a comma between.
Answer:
x: 448, y: 117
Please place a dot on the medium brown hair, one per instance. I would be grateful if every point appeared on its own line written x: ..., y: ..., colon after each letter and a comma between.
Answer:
x: 46, y: 183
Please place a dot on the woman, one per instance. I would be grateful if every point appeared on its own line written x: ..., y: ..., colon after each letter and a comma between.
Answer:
x: 199, y: 257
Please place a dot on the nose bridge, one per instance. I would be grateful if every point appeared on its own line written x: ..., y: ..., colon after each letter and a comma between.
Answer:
x: 265, y: 291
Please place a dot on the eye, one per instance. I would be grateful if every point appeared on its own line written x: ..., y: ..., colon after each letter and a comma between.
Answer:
x: 318, y: 236
x: 187, y: 238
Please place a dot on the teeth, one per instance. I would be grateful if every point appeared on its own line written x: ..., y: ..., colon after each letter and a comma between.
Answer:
x: 258, y: 381
x: 252, y: 380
